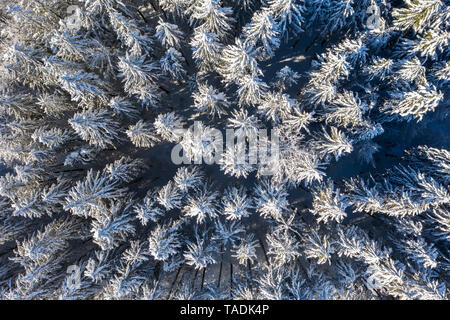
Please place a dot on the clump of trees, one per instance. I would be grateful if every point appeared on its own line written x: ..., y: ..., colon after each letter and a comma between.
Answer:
x: 90, y: 97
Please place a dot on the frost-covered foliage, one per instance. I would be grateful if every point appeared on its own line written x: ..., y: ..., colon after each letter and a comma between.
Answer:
x: 94, y: 102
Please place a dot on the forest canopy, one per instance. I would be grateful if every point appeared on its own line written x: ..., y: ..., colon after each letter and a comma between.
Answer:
x: 96, y: 95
